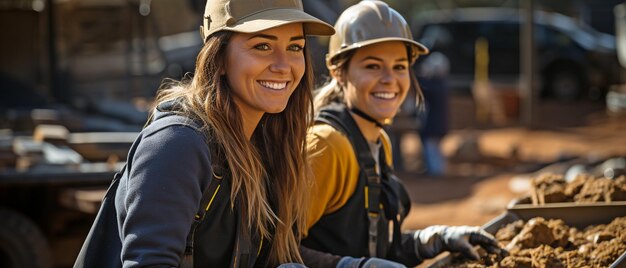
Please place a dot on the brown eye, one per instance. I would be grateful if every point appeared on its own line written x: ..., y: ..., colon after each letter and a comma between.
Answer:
x: 296, y: 48
x: 400, y: 67
x: 372, y: 66
x: 263, y: 47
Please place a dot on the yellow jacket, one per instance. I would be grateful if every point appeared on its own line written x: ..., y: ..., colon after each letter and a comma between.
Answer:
x: 336, y: 169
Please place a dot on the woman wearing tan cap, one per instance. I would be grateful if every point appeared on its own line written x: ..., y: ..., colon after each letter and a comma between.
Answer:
x: 219, y: 176
x: 359, y: 205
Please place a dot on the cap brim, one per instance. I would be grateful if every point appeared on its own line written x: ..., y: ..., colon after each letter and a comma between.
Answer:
x: 272, y: 18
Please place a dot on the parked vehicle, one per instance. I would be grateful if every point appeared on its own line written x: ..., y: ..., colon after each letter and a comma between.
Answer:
x: 572, y: 59
x: 73, y: 77
x: 51, y: 184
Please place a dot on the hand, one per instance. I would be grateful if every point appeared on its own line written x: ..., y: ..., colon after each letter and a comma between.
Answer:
x: 434, y: 239
x: 350, y: 262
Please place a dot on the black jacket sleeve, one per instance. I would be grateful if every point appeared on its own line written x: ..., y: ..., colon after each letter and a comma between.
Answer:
x: 317, y: 259
x: 160, y: 194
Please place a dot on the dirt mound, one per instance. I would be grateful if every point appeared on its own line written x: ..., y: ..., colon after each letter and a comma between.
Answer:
x: 585, y: 188
x: 551, y: 243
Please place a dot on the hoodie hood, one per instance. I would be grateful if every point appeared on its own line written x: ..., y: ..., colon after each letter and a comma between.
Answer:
x: 167, y: 108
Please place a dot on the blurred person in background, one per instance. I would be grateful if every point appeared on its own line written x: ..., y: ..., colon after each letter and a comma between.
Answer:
x: 328, y: 11
x: 239, y: 123
x: 358, y: 204
x: 432, y: 73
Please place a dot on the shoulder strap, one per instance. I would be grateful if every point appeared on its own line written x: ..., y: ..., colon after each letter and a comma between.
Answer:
x: 397, y: 205
x: 338, y: 116
x: 207, y: 199
x: 242, y: 255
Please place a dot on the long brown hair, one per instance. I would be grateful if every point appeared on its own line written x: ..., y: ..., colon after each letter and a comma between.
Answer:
x: 333, y: 91
x: 274, y: 160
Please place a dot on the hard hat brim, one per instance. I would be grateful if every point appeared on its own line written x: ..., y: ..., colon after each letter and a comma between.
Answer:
x: 418, y: 48
x: 272, y: 18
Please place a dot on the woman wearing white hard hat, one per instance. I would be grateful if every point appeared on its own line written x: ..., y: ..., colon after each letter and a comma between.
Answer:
x: 359, y: 205
x: 219, y: 176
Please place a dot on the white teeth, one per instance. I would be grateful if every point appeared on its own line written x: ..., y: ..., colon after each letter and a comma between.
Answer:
x: 273, y: 85
x: 385, y: 95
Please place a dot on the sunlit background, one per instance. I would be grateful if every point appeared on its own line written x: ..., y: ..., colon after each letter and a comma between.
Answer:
x: 505, y: 100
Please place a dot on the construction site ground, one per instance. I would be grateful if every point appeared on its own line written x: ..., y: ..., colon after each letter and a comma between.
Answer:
x: 490, y: 165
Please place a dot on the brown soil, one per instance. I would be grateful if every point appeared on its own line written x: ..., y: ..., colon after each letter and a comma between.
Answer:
x: 551, y: 188
x: 476, y: 193
x: 551, y: 243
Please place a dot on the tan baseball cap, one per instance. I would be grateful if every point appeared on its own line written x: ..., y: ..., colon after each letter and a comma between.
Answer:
x: 370, y: 22
x: 250, y: 16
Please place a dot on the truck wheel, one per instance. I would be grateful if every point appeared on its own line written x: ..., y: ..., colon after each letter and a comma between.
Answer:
x: 565, y: 84
x: 21, y: 242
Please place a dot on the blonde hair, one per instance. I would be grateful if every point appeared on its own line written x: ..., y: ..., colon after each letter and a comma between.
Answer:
x: 274, y: 160
x: 333, y: 91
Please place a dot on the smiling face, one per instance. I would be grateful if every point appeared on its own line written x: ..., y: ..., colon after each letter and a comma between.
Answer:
x: 263, y: 69
x: 378, y: 79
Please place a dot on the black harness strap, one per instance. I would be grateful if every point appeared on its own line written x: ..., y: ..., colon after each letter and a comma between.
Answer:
x: 340, y: 118
x: 394, y: 193
x: 243, y: 243
x: 208, y: 196
x: 384, y: 191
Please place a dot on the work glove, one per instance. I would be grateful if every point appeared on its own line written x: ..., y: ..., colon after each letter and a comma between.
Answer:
x: 433, y: 240
x: 350, y: 262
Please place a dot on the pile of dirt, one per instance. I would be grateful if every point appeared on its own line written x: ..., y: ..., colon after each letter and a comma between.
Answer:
x: 551, y: 243
x: 585, y: 188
